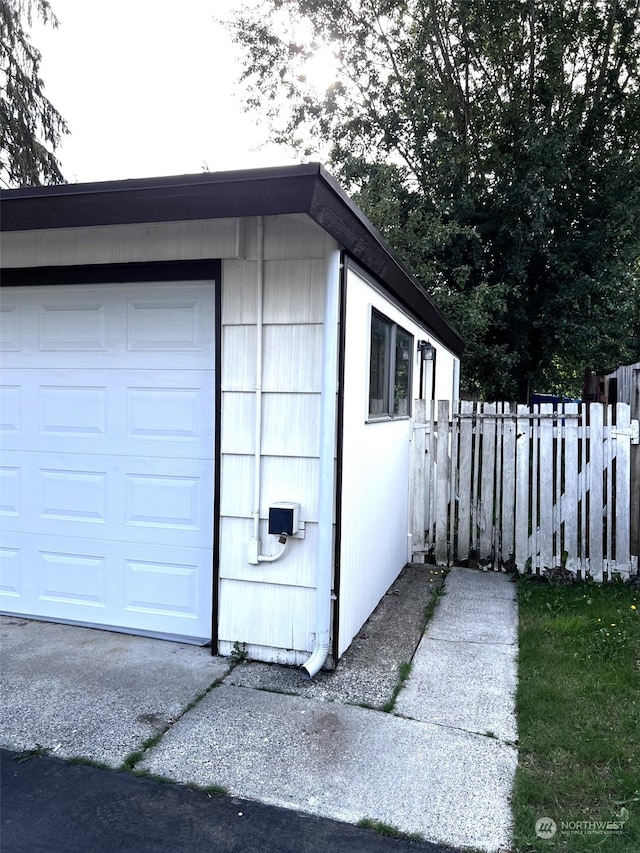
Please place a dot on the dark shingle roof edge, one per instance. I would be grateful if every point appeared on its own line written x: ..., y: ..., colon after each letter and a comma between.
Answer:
x: 307, y: 188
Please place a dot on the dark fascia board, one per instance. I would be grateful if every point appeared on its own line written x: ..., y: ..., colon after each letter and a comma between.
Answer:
x: 217, y: 195
x: 307, y: 188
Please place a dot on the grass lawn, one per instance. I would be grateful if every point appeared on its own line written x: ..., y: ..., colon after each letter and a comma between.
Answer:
x: 578, y: 716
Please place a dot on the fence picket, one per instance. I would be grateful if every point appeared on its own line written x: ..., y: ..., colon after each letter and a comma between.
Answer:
x: 453, y: 478
x: 523, y: 446
x: 621, y: 507
x: 475, y: 505
x: 545, y: 529
x: 508, y: 486
x: 534, y: 546
x: 607, y: 488
x: 558, y: 441
x: 417, y: 486
x: 485, y: 552
x: 442, y: 485
x: 430, y: 480
x: 569, y: 489
x: 583, y: 487
x: 465, y: 480
x: 595, y: 496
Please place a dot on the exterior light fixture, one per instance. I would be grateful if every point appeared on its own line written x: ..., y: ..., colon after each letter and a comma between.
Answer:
x: 426, y: 350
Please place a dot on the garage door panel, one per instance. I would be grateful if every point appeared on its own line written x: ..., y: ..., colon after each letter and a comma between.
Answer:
x: 156, y: 589
x: 72, y: 325
x: 164, y: 325
x: 107, y: 436
x: 126, y: 498
x: 127, y: 412
x: 70, y: 578
x: 154, y: 325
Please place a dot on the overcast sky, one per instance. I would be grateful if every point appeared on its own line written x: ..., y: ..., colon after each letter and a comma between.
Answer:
x: 149, y: 87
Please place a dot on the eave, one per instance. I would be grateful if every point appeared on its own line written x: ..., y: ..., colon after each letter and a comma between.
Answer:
x: 307, y: 189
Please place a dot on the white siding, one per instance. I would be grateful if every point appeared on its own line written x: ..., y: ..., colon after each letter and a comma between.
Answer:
x: 375, y: 479
x: 270, y: 607
x: 296, y: 570
x: 238, y: 434
x: 271, y: 617
x: 113, y: 244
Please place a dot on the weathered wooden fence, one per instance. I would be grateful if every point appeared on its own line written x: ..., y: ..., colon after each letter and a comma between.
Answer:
x: 526, y: 488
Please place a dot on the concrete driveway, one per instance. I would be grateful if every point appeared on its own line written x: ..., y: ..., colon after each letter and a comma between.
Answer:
x: 439, y: 764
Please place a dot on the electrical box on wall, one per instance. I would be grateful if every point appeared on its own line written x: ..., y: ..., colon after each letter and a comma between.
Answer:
x: 284, y: 517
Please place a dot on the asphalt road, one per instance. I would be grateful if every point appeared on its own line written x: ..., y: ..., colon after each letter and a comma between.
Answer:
x: 49, y: 805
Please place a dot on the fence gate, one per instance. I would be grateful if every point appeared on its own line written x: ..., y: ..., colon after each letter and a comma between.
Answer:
x: 513, y: 487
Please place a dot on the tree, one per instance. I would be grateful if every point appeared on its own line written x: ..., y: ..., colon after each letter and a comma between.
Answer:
x: 30, y: 126
x: 496, y: 145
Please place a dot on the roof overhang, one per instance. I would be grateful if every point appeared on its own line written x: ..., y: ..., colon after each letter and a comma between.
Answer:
x: 305, y: 188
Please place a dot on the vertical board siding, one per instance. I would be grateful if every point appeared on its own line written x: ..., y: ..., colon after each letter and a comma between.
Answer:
x: 280, y: 411
x: 283, y: 479
x: 291, y: 291
x: 270, y: 607
x: 540, y: 489
x: 292, y: 358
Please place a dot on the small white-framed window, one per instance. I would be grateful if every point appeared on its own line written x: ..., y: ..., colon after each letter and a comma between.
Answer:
x: 390, y: 366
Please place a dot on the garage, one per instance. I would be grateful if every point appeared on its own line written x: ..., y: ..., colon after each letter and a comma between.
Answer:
x: 182, y: 358
x: 107, y: 440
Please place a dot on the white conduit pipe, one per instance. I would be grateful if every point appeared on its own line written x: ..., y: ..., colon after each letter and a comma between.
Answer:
x: 258, y: 389
x: 328, y: 423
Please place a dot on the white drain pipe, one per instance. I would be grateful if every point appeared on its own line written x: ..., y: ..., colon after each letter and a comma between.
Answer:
x: 328, y: 426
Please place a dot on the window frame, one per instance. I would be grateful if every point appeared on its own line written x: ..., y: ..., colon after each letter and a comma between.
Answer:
x: 388, y: 410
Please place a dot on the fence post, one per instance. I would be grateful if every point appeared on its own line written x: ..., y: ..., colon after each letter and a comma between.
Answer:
x: 417, y: 490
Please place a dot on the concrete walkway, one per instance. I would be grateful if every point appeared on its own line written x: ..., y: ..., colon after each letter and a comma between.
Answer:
x: 441, y: 764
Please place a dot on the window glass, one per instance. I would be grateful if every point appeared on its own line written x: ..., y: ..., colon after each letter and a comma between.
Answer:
x: 404, y: 348
x: 389, y: 369
x: 379, y: 368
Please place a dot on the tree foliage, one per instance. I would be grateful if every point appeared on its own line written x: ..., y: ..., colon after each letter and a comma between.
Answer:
x: 30, y: 126
x: 496, y: 145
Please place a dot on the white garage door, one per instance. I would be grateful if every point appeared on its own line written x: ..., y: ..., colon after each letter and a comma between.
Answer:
x: 107, y: 423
